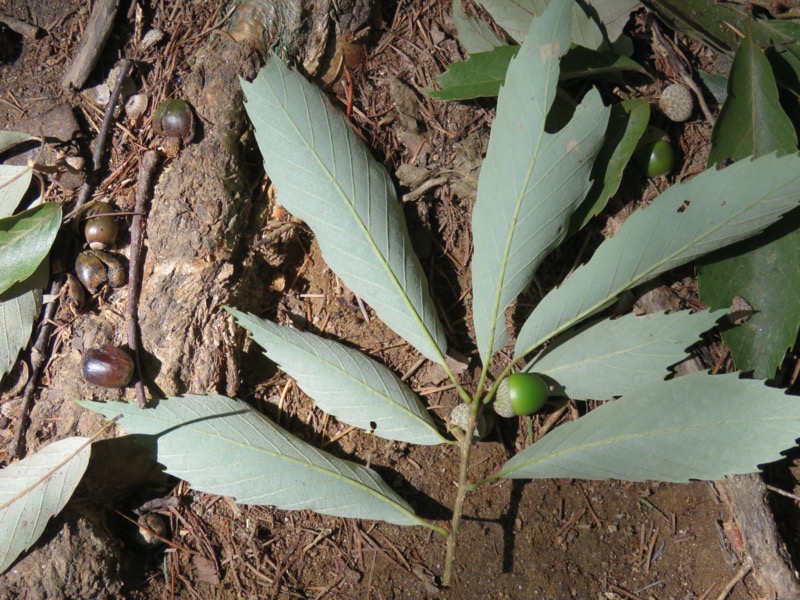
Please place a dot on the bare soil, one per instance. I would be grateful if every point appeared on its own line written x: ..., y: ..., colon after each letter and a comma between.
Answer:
x: 217, y: 237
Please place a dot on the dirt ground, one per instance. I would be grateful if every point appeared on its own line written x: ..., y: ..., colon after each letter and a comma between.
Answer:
x: 542, y: 539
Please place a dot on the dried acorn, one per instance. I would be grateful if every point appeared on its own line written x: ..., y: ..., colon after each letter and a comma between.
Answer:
x: 148, y: 525
x: 107, y: 366
x: 73, y: 292
x: 174, y: 119
x: 117, y: 273
x: 95, y: 268
x: 101, y: 231
x: 91, y: 271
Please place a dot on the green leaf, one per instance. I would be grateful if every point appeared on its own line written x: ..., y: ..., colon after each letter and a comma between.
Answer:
x: 764, y: 270
x: 626, y: 124
x: 222, y: 446
x: 716, y: 84
x: 695, y: 427
x: 611, y: 358
x: 9, y: 139
x: 481, y: 75
x: 530, y: 181
x: 24, y: 519
x: 19, y: 307
x: 751, y: 122
x: 713, y: 23
x: 326, y: 176
x: 25, y: 239
x: 713, y: 210
x: 515, y: 17
x: 14, y: 182
x: 474, y: 35
x: 581, y: 62
x: 345, y: 383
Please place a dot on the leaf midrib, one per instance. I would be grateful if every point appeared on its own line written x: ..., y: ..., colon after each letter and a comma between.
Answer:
x: 644, y: 274
x: 632, y: 436
x: 275, y: 455
x: 553, y: 66
x: 361, y: 383
x: 343, y: 196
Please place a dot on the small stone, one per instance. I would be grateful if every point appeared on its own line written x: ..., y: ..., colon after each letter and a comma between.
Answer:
x: 75, y: 163
x: 136, y: 105
x: 151, y: 38
x: 676, y: 102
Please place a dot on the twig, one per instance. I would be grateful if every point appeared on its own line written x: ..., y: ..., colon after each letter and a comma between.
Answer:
x: 38, y: 355
x: 781, y: 492
x: 741, y: 574
x: 97, y: 32
x: 624, y: 592
x: 38, y: 351
x: 102, y: 138
x: 146, y: 170
x: 21, y: 27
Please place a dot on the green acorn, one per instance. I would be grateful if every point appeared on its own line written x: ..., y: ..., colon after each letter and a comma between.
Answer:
x: 520, y: 394
x: 656, y: 158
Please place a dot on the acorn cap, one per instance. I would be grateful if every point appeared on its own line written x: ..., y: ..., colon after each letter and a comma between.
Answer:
x: 459, y: 417
x: 676, y: 102
x: 502, y: 401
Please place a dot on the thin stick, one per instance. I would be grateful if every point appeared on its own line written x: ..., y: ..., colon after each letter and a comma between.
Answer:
x: 740, y: 575
x: 21, y: 27
x: 97, y: 32
x: 38, y: 351
x: 146, y: 170
x: 102, y: 137
x: 38, y: 355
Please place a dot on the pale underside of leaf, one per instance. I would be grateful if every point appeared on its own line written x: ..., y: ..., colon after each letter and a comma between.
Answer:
x: 530, y: 181
x: 345, y: 383
x: 19, y: 306
x: 611, y: 358
x: 24, y: 520
x: 14, y: 182
x: 474, y: 35
x: 515, y: 17
x: 8, y: 139
x: 222, y: 446
x: 713, y: 210
x: 325, y: 175
x: 688, y: 428
x: 614, y: 14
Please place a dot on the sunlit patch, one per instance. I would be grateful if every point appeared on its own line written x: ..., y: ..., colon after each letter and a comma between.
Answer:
x: 549, y: 51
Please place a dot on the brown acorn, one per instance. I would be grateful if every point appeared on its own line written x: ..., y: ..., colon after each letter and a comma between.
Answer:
x: 101, y: 231
x: 107, y: 366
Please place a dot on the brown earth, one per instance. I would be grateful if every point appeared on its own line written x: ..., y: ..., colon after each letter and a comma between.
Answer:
x: 215, y: 238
